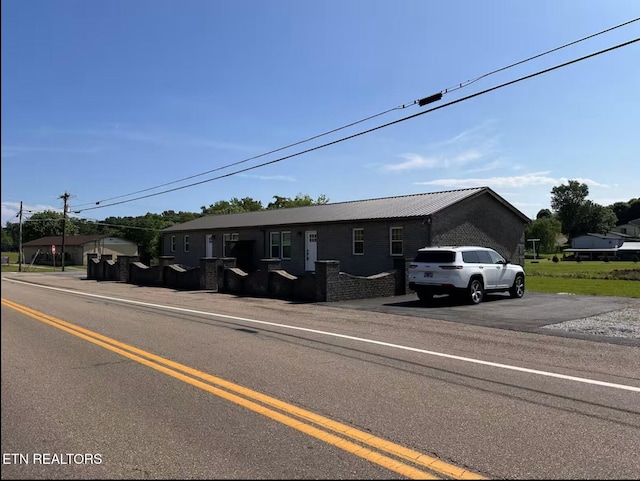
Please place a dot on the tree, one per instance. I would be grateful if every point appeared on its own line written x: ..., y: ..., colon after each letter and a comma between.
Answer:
x: 544, y: 213
x: 88, y: 227
x: 11, y: 237
x: 181, y: 217
x: 299, y: 201
x: 626, y: 211
x: 592, y: 217
x: 233, y: 206
x: 47, y: 223
x: 143, y: 230
x: 566, y: 201
x: 546, y: 229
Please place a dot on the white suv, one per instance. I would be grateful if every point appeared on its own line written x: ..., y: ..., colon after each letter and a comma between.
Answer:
x: 470, y: 271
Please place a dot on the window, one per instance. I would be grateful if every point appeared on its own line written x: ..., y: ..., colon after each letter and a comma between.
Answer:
x: 484, y: 257
x: 286, y: 245
x: 496, y: 258
x: 228, y: 237
x: 469, y: 257
x: 280, y: 243
x: 186, y: 243
x: 275, y: 244
x: 173, y: 243
x: 437, y: 257
x: 396, y: 241
x: 358, y: 242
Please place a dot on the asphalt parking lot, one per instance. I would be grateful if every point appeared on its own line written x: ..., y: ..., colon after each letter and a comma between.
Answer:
x: 530, y: 313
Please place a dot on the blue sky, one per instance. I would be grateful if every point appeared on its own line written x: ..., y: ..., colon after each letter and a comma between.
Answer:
x: 104, y: 99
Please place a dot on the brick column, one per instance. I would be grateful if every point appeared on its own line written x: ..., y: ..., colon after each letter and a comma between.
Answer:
x: 208, y: 273
x: 163, y: 261
x: 221, y: 264
x: 124, y: 262
x: 266, y: 266
x: 102, y: 267
x: 92, y: 260
x: 327, y: 280
x: 401, y: 266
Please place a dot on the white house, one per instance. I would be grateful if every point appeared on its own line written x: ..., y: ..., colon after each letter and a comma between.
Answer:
x: 631, y: 229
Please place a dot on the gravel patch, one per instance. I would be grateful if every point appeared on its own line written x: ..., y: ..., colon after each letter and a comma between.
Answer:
x: 619, y: 323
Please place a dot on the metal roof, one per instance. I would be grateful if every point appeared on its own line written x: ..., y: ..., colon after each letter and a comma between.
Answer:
x: 70, y: 240
x: 415, y: 205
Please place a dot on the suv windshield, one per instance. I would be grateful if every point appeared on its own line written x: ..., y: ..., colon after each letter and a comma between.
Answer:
x: 433, y: 257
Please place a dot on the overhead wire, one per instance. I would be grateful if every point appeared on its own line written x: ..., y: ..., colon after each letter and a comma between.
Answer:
x: 258, y: 156
x: 482, y: 92
x: 469, y: 82
x: 421, y: 102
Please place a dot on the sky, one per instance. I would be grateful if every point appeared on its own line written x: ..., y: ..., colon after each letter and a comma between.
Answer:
x: 156, y: 105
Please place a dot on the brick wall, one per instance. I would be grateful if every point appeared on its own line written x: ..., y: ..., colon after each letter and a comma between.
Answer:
x: 481, y: 221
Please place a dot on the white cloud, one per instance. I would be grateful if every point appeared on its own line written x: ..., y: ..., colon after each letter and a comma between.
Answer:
x: 539, y: 178
x: 589, y: 182
x: 413, y: 161
x: 469, y: 147
x: 534, y: 178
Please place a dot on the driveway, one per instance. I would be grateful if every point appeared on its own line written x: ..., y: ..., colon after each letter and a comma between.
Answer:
x: 528, y: 314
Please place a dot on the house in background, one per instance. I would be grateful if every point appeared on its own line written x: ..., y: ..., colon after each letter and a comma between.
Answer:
x: 631, y: 229
x: 76, y: 248
x: 365, y: 236
x: 613, y: 245
x: 598, y: 241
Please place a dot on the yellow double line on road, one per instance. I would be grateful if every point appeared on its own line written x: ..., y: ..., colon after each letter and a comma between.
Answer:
x: 332, y: 432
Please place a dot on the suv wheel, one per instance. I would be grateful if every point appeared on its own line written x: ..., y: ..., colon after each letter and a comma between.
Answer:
x: 424, y: 295
x: 476, y: 291
x: 517, y: 290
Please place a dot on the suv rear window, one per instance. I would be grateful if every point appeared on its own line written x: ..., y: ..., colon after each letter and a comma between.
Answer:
x: 434, y: 257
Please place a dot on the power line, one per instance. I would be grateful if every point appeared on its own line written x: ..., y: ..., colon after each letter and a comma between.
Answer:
x: 469, y: 82
x: 526, y: 77
x: 403, y: 106
x: 421, y: 102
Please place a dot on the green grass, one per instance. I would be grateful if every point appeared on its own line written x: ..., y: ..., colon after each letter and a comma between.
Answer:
x: 591, y: 278
x: 587, y: 287
x: 597, y: 269
x: 13, y: 265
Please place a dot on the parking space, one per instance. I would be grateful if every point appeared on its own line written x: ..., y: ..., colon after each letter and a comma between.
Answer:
x: 529, y: 313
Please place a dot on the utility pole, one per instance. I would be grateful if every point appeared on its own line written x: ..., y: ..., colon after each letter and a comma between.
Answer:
x: 20, y: 241
x: 64, y: 197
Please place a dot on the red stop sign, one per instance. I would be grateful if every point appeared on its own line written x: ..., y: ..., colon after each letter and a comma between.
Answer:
x: 53, y: 248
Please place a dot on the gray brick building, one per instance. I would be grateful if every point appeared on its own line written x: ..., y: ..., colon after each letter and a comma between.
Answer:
x: 366, y: 236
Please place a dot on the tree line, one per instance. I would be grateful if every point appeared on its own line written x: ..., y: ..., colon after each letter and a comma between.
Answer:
x: 573, y: 214
x: 143, y: 230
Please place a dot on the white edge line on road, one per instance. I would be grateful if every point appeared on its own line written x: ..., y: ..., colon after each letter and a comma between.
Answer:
x: 343, y: 336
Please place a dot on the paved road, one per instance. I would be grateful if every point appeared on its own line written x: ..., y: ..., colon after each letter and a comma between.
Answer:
x: 497, y: 402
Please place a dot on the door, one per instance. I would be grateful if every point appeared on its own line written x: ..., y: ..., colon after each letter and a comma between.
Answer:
x: 311, y: 250
x: 209, y: 245
x: 490, y: 271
